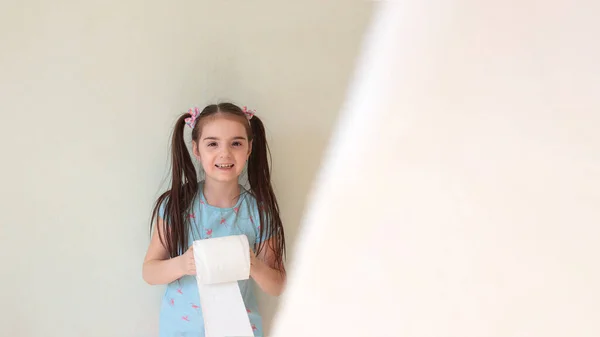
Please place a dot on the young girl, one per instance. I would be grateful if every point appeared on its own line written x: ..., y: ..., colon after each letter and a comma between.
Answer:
x: 224, y: 139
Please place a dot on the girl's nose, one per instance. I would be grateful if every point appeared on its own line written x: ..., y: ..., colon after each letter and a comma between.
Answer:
x: 225, y: 153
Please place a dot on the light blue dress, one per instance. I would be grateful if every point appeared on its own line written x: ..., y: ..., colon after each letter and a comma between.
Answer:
x: 180, y: 313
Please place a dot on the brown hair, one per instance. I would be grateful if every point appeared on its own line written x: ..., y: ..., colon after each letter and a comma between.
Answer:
x: 184, y: 185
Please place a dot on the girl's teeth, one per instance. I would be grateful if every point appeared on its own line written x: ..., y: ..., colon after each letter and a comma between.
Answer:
x: 225, y: 165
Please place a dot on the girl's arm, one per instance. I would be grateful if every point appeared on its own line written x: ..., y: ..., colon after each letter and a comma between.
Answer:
x: 262, y: 270
x: 158, y: 268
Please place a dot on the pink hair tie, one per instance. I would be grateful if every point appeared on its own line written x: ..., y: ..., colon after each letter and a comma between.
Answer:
x: 249, y: 113
x: 191, y: 121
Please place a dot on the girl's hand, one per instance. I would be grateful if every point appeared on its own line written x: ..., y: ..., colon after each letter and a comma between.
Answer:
x: 187, y: 264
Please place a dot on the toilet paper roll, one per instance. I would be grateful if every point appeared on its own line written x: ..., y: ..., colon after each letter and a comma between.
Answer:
x: 220, y: 263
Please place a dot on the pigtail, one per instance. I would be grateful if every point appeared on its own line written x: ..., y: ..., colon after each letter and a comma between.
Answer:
x: 176, y: 201
x: 259, y: 177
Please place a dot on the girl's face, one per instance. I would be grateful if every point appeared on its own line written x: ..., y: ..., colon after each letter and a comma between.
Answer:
x: 222, y: 147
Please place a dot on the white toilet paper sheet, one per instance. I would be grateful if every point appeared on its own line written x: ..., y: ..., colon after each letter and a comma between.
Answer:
x: 220, y: 263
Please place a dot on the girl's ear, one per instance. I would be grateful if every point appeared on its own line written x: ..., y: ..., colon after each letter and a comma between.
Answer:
x: 249, y: 150
x: 195, y: 149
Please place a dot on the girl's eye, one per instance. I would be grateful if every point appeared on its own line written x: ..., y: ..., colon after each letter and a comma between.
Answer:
x: 211, y: 144
x: 237, y: 144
